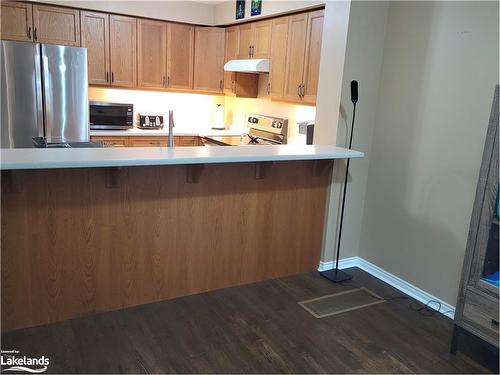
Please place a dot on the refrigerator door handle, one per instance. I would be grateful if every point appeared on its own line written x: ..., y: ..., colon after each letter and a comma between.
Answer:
x: 47, y: 100
x: 38, y: 95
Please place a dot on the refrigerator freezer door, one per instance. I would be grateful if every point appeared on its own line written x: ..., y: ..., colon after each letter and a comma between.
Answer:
x: 65, y: 85
x: 21, y: 101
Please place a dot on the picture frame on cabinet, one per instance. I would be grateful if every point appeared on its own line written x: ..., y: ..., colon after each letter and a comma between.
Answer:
x: 256, y: 7
x: 240, y: 9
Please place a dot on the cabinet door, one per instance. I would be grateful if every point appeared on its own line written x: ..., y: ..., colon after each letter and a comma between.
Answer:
x: 152, y: 53
x: 245, y: 41
x: 95, y: 37
x: 209, y: 59
x: 180, y: 56
x: 56, y: 25
x: 16, y: 21
x: 155, y: 141
x: 262, y: 40
x: 297, y: 30
x: 187, y: 141
x: 312, y: 57
x: 231, y: 54
x: 279, y: 43
x: 122, y: 31
x: 111, y: 141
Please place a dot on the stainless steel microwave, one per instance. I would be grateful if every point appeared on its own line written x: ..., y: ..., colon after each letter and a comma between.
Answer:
x: 111, y: 116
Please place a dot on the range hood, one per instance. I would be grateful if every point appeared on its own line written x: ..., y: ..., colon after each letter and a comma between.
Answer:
x: 247, y: 66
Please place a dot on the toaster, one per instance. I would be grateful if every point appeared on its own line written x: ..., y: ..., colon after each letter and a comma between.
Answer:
x: 150, y: 122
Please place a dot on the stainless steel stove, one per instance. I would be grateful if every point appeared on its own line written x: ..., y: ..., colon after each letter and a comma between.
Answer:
x: 263, y: 130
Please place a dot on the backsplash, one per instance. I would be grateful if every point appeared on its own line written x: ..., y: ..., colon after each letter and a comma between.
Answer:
x: 191, y: 111
x: 237, y: 109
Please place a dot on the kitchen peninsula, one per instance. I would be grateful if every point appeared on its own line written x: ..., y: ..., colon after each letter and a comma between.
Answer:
x: 89, y: 230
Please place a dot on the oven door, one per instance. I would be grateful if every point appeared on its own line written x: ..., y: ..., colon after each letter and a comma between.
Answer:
x: 111, y: 116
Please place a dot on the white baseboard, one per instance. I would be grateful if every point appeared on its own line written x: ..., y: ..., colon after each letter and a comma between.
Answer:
x: 392, y: 280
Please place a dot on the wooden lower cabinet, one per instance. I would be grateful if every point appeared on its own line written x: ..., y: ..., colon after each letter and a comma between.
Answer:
x: 147, y: 142
x: 187, y: 141
x: 112, y: 141
x: 144, y: 141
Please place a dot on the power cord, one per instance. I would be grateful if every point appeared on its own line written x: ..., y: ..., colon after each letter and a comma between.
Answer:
x: 423, y: 309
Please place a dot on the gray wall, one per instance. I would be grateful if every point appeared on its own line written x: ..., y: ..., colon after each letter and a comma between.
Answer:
x: 363, y: 62
x: 439, y: 69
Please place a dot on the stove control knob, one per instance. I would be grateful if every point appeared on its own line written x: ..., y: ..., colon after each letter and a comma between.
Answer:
x: 254, y: 120
x: 274, y: 124
x: 279, y: 125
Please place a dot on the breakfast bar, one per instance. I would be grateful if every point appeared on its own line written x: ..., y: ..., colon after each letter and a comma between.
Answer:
x: 89, y: 230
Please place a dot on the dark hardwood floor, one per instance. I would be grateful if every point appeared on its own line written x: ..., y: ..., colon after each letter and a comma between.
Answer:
x: 256, y: 328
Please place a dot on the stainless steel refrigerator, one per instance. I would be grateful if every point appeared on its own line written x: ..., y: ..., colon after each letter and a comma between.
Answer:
x: 44, y: 93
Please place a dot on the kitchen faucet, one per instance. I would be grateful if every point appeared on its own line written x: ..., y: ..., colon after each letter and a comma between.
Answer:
x: 170, y: 128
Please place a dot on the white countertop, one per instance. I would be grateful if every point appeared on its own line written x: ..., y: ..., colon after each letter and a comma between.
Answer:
x: 135, y: 132
x: 141, y: 156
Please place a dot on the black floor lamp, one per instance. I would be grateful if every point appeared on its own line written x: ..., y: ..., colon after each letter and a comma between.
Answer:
x: 335, y: 274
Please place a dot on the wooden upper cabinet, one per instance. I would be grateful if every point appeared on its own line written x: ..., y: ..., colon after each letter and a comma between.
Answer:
x: 16, y: 21
x: 279, y: 43
x: 261, y: 44
x: 231, y: 54
x: 254, y: 40
x: 56, y: 25
x: 123, y: 56
x: 180, y: 56
x: 95, y: 37
x: 152, y: 53
x: 312, y: 56
x: 297, y: 33
x: 245, y: 41
x: 209, y: 59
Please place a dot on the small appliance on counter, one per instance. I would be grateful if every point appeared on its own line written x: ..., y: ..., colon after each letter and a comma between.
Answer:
x: 111, y: 116
x: 307, y: 128
x: 263, y: 130
x: 150, y: 121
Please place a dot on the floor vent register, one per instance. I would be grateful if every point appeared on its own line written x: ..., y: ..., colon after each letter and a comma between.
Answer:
x: 339, y: 303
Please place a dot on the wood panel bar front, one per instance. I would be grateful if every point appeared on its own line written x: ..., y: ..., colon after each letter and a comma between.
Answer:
x: 71, y: 245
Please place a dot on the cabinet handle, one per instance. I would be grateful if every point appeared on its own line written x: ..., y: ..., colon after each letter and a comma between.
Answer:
x: 249, y: 51
x: 302, y: 91
x: 298, y: 90
x: 268, y: 88
x: 220, y: 84
x: 107, y: 76
x: 253, y: 47
x: 29, y: 32
x: 163, y: 81
x: 168, y: 81
x: 112, y: 77
x: 35, y: 34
